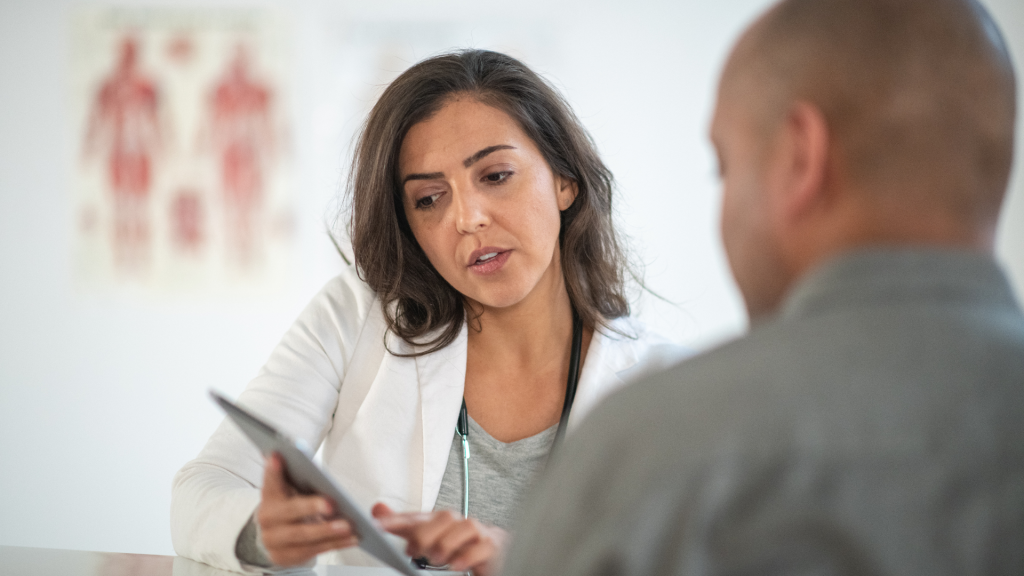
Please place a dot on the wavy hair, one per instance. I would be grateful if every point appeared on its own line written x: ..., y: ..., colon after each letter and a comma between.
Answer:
x: 418, y: 304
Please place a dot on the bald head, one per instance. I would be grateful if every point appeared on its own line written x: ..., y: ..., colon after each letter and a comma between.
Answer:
x: 847, y: 124
x: 918, y: 95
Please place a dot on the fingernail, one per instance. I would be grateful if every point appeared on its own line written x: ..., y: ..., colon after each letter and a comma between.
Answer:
x: 324, y: 507
x: 338, y: 525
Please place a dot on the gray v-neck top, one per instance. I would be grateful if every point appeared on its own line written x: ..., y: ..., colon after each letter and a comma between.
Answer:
x: 499, y: 474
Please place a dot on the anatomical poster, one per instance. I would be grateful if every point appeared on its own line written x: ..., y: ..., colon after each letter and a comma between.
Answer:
x: 184, y: 178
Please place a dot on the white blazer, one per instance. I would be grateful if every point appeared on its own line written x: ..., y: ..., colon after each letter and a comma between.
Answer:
x: 386, y: 422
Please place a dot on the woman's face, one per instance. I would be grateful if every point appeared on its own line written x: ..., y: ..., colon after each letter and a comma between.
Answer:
x: 483, y: 203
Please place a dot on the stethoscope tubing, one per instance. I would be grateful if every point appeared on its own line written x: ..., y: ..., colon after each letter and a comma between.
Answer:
x: 462, y: 425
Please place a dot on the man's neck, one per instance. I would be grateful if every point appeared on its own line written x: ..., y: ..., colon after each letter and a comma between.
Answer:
x: 874, y: 225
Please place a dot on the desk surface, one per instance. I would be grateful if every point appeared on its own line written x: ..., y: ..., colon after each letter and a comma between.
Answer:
x: 51, y: 562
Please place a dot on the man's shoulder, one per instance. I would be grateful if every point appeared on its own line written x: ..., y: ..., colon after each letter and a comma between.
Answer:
x: 765, y: 384
x: 855, y: 400
x: 717, y: 371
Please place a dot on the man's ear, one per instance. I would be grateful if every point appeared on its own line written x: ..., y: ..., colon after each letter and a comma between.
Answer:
x: 805, y: 170
x: 568, y: 189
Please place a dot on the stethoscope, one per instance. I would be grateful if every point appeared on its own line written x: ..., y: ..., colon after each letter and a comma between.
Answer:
x: 462, y: 425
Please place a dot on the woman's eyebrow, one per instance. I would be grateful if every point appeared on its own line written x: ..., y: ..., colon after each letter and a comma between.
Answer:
x: 475, y: 157
x: 467, y: 163
x: 431, y: 176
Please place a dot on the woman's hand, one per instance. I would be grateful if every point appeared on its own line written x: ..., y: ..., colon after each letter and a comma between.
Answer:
x: 447, y: 538
x: 296, y: 528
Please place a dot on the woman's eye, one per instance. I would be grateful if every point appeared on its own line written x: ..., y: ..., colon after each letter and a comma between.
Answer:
x: 427, y: 201
x: 497, y: 177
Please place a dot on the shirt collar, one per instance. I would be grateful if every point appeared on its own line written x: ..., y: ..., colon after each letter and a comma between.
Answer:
x: 893, y: 275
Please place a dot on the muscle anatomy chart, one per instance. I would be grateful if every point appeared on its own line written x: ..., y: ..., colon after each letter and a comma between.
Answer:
x: 243, y: 136
x: 184, y: 177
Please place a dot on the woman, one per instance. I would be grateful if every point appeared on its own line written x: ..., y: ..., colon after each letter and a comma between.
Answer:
x: 485, y: 263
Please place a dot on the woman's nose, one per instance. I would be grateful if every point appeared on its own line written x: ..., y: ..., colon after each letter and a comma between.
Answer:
x: 470, y: 211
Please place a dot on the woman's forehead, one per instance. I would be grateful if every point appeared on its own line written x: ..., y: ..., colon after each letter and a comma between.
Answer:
x: 456, y: 132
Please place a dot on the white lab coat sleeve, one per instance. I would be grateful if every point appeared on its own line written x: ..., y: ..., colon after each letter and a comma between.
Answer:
x: 297, y: 390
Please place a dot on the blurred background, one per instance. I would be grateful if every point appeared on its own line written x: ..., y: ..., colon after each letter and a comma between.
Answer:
x: 169, y: 173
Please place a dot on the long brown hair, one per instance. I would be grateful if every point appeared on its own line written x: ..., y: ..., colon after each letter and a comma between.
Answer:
x: 416, y: 300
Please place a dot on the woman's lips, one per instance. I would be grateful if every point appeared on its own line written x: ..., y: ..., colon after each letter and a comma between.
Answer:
x: 490, y: 265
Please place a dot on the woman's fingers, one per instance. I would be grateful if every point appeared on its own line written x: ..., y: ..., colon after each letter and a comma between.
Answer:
x: 381, y: 510
x: 296, y: 528
x: 478, y: 559
x: 400, y: 524
x: 279, y: 503
x: 422, y: 531
x: 274, y: 483
x: 278, y: 510
x: 293, y: 544
x: 296, y: 555
x: 445, y: 538
x: 277, y: 489
x: 307, y: 534
x: 482, y: 555
x: 451, y: 543
x: 404, y: 525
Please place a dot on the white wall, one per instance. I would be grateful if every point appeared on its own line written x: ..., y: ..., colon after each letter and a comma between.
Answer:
x: 102, y: 398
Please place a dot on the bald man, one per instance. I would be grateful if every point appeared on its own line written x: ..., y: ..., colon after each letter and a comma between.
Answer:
x: 872, y: 421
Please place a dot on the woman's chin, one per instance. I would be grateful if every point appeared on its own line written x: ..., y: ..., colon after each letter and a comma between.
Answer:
x: 498, y: 297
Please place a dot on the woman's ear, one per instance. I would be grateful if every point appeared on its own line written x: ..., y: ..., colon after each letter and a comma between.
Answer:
x: 567, y: 191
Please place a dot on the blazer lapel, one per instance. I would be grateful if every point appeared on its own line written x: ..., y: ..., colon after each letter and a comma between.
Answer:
x: 442, y: 378
x: 364, y: 366
x: 608, y: 355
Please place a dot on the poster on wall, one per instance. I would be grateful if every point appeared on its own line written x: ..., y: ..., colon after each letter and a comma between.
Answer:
x: 184, y: 177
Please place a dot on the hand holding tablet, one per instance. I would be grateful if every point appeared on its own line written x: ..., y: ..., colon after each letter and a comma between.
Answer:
x: 306, y: 477
x: 294, y: 527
